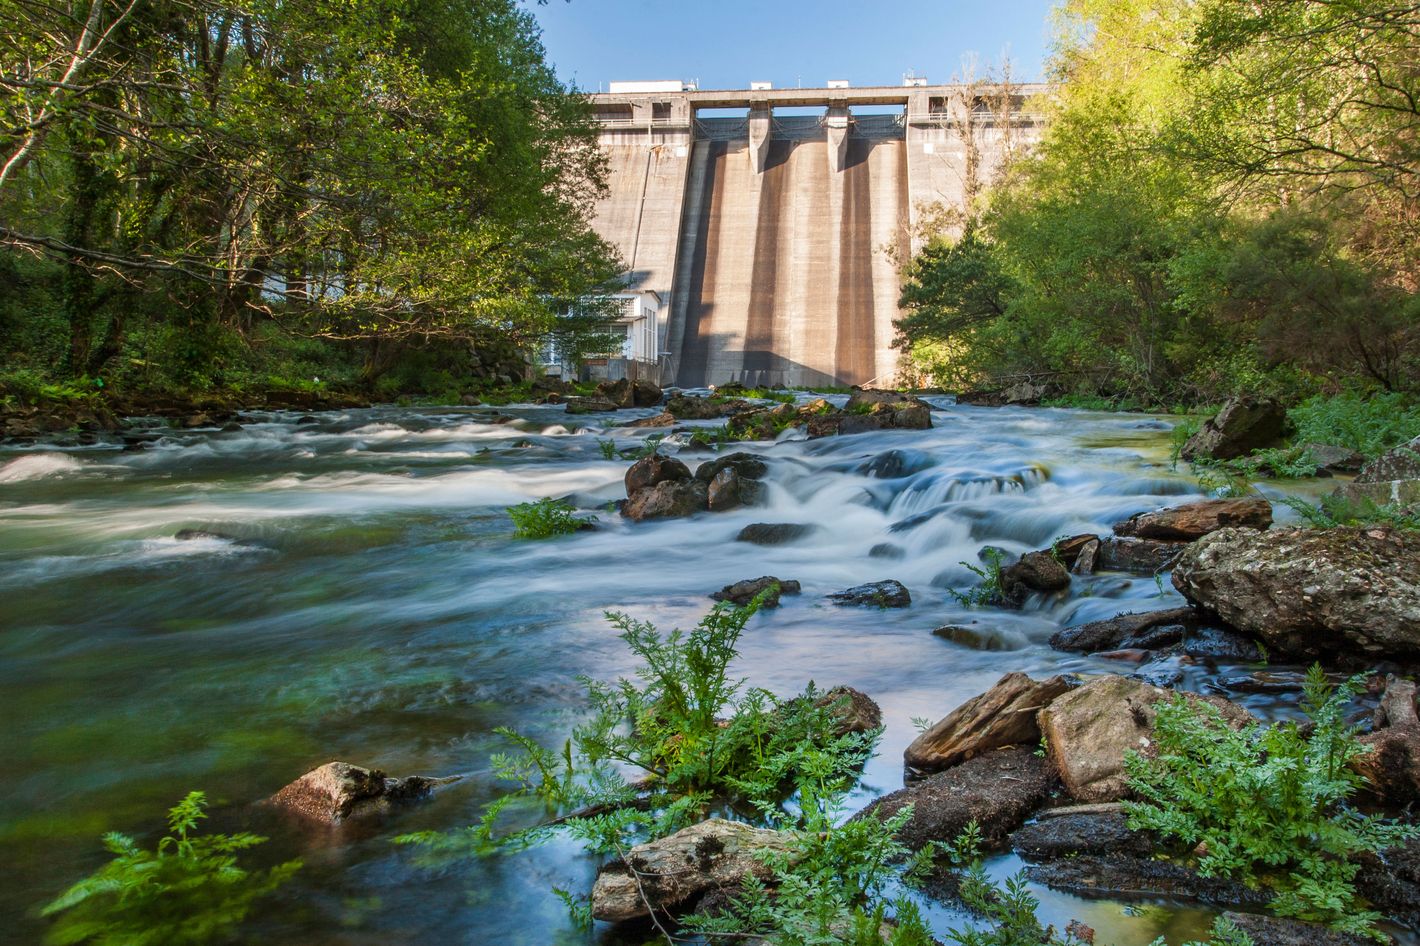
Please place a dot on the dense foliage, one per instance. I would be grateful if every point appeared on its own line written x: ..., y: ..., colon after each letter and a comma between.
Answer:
x: 188, y: 890
x: 183, y: 182
x: 1267, y: 804
x: 1225, y: 200
x: 546, y: 518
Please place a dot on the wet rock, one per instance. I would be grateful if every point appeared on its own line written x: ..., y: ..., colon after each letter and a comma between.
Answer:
x: 470, y: 400
x: 628, y: 393
x: 896, y: 464
x: 673, y: 872
x: 1088, y: 731
x: 663, y: 419
x: 1220, y: 643
x: 980, y: 638
x: 774, y: 533
x: 1266, y: 930
x: 589, y: 405
x: 1034, y: 571
x: 1080, y: 829
x: 1392, y: 767
x: 1243, y: 425
x: 1133, y: 655
x: 749, y: 466
x: 1119, y: 876
x: 876, y: 594
x: 198, y: 420
x: 853, y: 710
x: 728, y: 490
x: 191, y: 535
x: 1067, y: 551
x: 1401, y: 463
x: 742, y: 592
x: 702, y: 408
x: 1311, y: 591
x: 1391, y: 881
x: 998, y: 791
x: 1264, y: 681
x: 1195, y: 520
x: 887, y: 550
x: 1139, y: 556
x: 1331, y: 459
x: 1004, y: 715
x: 338, y: 791
x: 1113, y: 632
x: 648, y: 471
x: 1155, y: 638
x: 1088, y: 558
x: 669, y: 499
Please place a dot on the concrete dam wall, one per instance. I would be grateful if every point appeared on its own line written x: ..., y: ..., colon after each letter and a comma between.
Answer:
x: 766, y: 239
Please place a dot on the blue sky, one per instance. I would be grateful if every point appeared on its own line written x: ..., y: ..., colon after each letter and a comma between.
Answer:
x: 729, y: 43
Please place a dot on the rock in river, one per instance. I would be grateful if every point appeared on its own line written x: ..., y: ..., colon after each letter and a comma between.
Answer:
x: 774, y: 533
x: 875, y: 594
x: 338, y: 791
x: 742, y: 592
x: 1004, y: 715
x: 672, y: 873
x: 1195, y: 520
x: 1242, y: 426
x: 1311, y: 591
x: 648, y: 471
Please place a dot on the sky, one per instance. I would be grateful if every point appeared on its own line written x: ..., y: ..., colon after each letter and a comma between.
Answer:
x: 726, y: 44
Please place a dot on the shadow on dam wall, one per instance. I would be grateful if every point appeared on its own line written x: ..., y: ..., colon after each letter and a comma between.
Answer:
x: 782, y: 275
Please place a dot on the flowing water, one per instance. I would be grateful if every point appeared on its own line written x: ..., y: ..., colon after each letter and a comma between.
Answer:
x: 360, y: 597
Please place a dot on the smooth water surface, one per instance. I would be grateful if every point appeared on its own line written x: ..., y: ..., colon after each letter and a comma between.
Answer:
x: 362, y: 599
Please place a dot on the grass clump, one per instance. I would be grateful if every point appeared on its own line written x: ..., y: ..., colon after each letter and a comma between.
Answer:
x: 188, y: 890
x: 988, y: 590
x: 1267, y: 805
x: 547, y: 517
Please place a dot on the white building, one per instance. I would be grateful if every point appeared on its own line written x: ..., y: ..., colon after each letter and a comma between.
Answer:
x: 638, y: 354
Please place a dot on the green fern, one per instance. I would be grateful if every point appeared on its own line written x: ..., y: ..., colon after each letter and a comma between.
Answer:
x: 188, y: 890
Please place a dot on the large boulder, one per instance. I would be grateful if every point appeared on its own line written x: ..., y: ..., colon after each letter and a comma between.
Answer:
x: 1311, y: 591
x: 675, y: 871
x: 1243, y: 425
x: 1004, y: 715
x: 1195, y: 520
x: 1402, y: 463
x: 648, y: 471
x: 1122, y: 630
x: 669, y: 499
x: 338, y: 791
x: 998, y: 791
x: 733, y: 481
x: 1088, y: 731
x: 628, y: 393
x: 749, y: 466
x: 774, y: 533
x: 1402, y: 493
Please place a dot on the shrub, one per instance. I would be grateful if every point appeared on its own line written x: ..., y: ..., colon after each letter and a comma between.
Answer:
x: 1266, y: 805
x: 546, y: 518
x: 188, y: 890
x: 696, y: 734
x: 1367, y: 424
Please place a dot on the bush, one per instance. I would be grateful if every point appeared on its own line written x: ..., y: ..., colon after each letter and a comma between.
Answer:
x: 546, y: 518
x: 1266, y: 805
x: 188, y: 890
x: 1367, y: 424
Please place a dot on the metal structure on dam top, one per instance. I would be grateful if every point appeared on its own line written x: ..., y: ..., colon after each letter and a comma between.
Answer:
x: 766, y: 239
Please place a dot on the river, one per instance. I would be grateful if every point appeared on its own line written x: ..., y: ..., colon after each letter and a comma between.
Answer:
x: 362, y: 598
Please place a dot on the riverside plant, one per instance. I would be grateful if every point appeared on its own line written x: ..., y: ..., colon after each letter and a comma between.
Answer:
x: 545, y: 518
x: 660, y: 750
x: 190, y: 889
x: 1267, y: 805
x: 989, y: 590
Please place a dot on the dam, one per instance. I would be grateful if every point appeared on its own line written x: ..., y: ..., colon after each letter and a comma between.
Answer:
x: 767, y: 226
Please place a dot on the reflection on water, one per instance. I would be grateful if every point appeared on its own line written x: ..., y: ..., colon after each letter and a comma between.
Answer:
x: 355, y: 594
